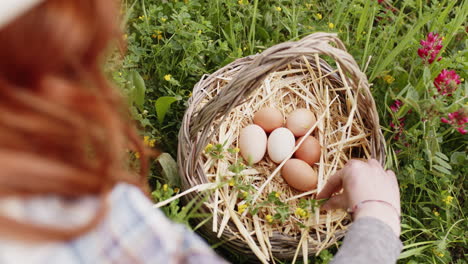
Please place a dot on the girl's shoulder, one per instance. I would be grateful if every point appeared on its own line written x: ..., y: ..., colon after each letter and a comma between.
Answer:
x: 132, y: 231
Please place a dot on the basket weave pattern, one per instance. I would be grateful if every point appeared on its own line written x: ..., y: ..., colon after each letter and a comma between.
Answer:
x: 224, y: 99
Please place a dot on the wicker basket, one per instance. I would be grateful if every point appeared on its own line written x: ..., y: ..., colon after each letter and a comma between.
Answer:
x: 315, y: 72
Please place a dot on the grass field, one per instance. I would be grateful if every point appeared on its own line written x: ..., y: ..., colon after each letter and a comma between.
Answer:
x: 421, y: 99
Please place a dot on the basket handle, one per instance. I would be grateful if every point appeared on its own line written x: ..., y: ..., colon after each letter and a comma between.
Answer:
x: 251, y: 76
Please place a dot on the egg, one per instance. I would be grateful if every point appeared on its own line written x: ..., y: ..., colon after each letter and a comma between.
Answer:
x: 280, y: 144
x: 299, y: 175
x: 300, y: 121
x: 252, y: 143
x: 309, y: 151
x: 269, y: 119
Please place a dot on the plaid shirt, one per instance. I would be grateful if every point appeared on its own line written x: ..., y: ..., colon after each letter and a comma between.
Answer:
x: 132, y: 232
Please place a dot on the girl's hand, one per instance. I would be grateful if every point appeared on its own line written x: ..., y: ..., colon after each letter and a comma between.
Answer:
x: 368, y: 190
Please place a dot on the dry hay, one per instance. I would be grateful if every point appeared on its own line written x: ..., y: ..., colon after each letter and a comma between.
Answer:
x: 341, y: 128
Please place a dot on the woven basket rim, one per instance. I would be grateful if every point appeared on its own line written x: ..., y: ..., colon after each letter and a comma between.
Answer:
x: 253, y: 70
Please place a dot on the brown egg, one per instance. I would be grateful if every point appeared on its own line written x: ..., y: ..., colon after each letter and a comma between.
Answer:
x: 309, y: 151
x: 269, y: 119
x: 299, y: 175
x: 300, y: 121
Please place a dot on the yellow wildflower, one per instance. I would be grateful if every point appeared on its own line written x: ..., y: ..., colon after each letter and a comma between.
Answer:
x: 199, y: 32
x: 167, y: 77
x: 308, y: 5
x: 232, y: 182
x: 137, y: 155
x: 448, y: 200
x: 241, y: 208
x: 436, y: 213
x: 165, y: 187
x: 331, y: 25
x: 176, y: 190
x: 438, y: 253
x: 277, y: 194
x: 141, y: 17
x: 242, y: 2
x: 301, y: 212
x: 186, y: 1
x: 160, y: 37
x: 236, y: 150
x: 208, y: 147
x: 120, y: 73
x: 318, y: 16
x: 125, y: 36
x: 245, y: 194
x: 389, y: 79
x: 153, y: 36
x: 269, y: 218
x: 149, y: 142
x: 163, y: 19
x: 278, y: 8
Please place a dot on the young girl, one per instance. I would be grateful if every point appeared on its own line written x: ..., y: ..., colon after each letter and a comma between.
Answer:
x: 66, y: 196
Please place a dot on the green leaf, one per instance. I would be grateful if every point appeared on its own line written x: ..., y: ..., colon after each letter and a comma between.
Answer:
x: 458, y: 158
x: 442, y: 156
x: 442, y: 169
x: 263, y: 34
x: 414, y: 104
x: 442, y: 163
x: 138, y: 93
x: 427, y: 75
x: 362, y: 20
x: 169, y: 169
x: 413, y: 252
x: 162, y: 105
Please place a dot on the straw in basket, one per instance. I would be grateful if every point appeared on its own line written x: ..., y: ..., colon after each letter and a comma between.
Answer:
x: 316, y: 73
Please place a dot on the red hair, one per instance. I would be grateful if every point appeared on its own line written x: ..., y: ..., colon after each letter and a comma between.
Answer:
x: 64, y: 130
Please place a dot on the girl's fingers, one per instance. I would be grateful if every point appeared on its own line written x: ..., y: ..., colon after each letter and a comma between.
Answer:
x: 336, y: 202
x: 333, y: 185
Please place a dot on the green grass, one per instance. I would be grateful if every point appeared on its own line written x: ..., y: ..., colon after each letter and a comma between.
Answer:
x: 187, y: 39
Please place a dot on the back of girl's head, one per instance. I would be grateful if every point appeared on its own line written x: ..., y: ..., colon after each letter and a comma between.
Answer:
x: 63, y: 128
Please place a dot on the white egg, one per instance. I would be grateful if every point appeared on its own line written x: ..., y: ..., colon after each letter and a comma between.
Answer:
x: 252, y: 143
x: 280, y: 144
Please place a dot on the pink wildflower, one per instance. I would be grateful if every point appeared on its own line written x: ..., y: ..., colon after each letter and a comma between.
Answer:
x: 399, y: 128
x: 430, y: 48
x: 458, y: 120
x: 444, y: 120
x: 447, y: 82
x: 396, y: 105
